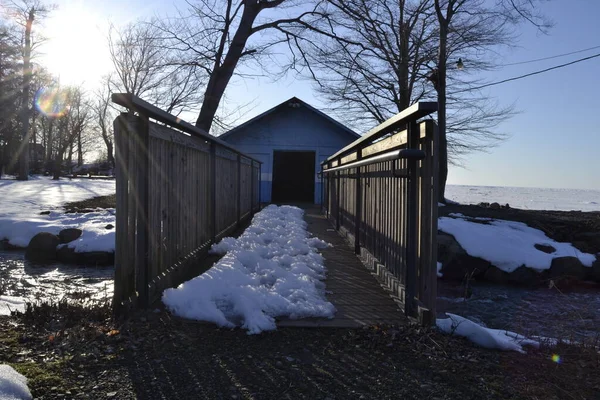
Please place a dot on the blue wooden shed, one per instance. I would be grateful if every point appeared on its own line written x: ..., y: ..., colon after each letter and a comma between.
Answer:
x: 291, y: 140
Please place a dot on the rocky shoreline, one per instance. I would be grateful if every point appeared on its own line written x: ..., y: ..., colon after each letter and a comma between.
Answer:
x: 580, y: 229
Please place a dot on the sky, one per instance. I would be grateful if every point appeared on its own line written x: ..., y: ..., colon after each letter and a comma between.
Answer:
x: 554, y: 139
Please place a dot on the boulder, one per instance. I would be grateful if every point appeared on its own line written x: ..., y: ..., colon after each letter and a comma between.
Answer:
x: 525, y: 276
x: 69, y: 234
x: 595, y: 273
x: 496, y: 275
x: 45, y: 213
x: 495, y: 205
x: 448, y: 248
x: 567, y: 267
x: 109, y: 226
x: 67, y: 255
x: 457, y: 264
x: 42, y: 247
x: 96, y: 258
x: 546, y: 248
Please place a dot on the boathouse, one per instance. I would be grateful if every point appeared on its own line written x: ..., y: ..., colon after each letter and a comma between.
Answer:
x: 291, y: 140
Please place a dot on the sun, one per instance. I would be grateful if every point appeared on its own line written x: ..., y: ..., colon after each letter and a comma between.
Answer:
x: 76, y: 47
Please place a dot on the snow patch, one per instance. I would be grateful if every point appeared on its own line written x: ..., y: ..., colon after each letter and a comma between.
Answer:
x: 484, y: 337
x: 272, y: 270
x: 13, y: 385
x: 22, y: 202
x: 11, y: 303
x: 507, y: 244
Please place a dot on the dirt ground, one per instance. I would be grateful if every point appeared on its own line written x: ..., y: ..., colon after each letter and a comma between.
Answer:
x: 67, y: 352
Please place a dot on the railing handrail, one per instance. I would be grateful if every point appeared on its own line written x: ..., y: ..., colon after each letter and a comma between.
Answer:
x: 412, y: 113
x: 409, y: 154
x: 134, y: 103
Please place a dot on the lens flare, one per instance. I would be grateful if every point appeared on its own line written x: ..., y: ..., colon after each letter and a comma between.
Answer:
x: 556, y: 358
x: 51, y: 102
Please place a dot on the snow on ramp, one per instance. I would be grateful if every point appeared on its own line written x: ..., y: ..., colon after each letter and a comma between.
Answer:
x: 271, y: 271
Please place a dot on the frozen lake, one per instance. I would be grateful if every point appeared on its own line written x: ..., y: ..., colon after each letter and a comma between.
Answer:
x: 527, y: 198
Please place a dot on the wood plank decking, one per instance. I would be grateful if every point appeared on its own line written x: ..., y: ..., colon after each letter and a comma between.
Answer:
x: 357, y: 295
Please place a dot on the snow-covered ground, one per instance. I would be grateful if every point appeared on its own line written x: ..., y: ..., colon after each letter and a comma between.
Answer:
x: 507, y: 244
x: 13, y: 385
x: 271, y: 271
x: 22, y: 201
x: 527, y: 198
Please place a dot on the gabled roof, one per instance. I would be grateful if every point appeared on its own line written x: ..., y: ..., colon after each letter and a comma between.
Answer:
x: 285, y: 104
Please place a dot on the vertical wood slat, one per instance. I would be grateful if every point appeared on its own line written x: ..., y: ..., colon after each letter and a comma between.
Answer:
x: 393, y: 218
x: 163, y: 204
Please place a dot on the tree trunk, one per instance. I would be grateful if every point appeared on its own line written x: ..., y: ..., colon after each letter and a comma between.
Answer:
x: 109, y: 153
x: 221, y: 74
x: 70, y: 158
x: 79, y: 151
x: 23, y: 174
x: 441, y: 92
x: 57, y: 165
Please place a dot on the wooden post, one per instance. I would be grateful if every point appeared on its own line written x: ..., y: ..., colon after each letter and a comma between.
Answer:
x: 212, y: 202
x: 141, y: 246
x: 122, y: 266
x: 252, y: 190
x: 239, y: 189
x: 412, y: 227
x: 357, y: 205
x: 259, y: 186
x: 338, y: 210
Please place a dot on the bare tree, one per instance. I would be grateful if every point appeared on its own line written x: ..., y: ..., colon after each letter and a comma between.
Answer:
x: 101, y: 108
x: 473, y: 26
x: 143, y: 67
x: 25, y: 12
x: 373, y: 65
x: 216, y: 37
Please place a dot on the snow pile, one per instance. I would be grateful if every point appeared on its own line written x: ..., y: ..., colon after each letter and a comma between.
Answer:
x: 272, y: 270
x: 507, y: 244
x: 11, y: 303
x: 484, y: 337
x: 22, y: 202
x: 13, y: 385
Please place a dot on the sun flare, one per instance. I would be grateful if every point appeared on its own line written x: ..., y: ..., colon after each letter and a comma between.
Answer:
x: 76, y: 49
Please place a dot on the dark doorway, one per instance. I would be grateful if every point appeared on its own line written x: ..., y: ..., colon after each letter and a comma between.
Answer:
x: 293, y: 177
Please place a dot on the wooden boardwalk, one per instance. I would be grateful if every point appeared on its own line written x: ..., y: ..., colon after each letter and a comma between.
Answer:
x: 356, y: 294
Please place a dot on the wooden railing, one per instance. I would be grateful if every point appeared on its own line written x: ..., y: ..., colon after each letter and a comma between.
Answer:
x: 179, y: 190
x: 381, y: 193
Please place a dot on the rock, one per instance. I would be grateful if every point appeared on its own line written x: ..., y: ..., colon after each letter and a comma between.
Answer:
x: 45, y: 213
x: 448, y: 248
x: 5, y: 245
x: 96, y: 258
x: 567, y: 267
x: 496, y: 275
x: 595, y: 273
x: 495, y: 205
x: 42, y: 247
x: 69, y: 234
x: 67, y: 255
x: 507, y: 206
x: 525, y: 276
x: 457, y: 264
x: 546, y: 248
x: 483, y: 204
x: 109, y: 226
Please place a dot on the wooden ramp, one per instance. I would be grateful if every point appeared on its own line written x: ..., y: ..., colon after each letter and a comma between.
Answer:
x: 356, y: 294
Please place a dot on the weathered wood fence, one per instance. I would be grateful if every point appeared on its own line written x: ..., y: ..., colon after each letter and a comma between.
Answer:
x: 179, y: 190
x: 381, y: 193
